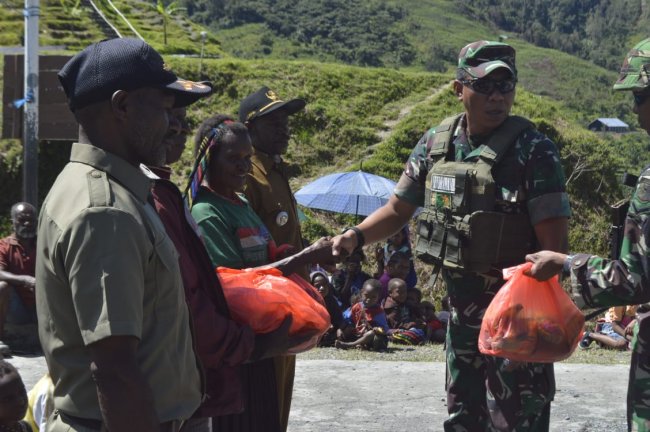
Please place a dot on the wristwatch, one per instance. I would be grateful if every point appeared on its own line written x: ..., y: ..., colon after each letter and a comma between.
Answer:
x: 566, y: 266
x: 361, y: 240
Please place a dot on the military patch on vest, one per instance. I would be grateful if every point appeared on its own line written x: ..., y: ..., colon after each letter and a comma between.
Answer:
x: 443, y: 183
x: 643, y: 189
x: 441, y: 200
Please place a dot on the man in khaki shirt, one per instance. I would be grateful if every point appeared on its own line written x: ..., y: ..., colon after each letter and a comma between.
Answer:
x: 112, y: 317
x: 269, y: 194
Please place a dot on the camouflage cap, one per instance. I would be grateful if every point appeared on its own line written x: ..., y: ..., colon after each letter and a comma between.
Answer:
x: 481, y: 58
x: 635, y: 69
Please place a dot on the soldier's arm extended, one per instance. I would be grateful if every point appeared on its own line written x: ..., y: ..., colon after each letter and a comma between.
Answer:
x: 598, y: 281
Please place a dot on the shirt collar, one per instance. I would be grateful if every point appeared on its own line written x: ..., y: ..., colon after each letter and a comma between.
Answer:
x: 126, y: 174
x: 156, y: 173
x: 264, y: 161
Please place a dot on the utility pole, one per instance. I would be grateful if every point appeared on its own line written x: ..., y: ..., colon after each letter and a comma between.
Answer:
x: 30, y: 125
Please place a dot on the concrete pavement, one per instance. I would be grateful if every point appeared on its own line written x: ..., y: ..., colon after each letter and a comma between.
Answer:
x: 337, y: 395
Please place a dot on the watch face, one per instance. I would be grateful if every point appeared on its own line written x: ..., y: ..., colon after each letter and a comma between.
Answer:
x: 282, y: 218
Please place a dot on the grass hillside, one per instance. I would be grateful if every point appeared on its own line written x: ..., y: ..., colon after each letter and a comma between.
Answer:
x: 58, y: 25
x: 436, y: 30
x: 65, y: 23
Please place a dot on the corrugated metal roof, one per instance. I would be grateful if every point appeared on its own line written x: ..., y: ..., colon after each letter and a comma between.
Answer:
x: 613, y: 122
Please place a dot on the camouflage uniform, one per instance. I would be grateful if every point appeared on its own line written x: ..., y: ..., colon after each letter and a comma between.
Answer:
x: 598, y: 282
x: 517, y: 399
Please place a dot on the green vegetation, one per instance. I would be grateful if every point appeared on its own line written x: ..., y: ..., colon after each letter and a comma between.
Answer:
x: 166, y: 13
x: 61, y: 23
x: 354, y: 32
x: 435, y: 30
x: 65, y: 23
x: 174, y: 35
x: 596, y: 30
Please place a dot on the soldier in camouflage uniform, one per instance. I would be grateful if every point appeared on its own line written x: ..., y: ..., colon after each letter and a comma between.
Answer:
x: 484, y: 393
x: 599, y: 282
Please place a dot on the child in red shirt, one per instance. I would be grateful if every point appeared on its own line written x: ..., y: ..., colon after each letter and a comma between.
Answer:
x: 365, y: 326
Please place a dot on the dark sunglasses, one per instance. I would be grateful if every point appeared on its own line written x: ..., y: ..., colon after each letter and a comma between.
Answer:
x: 640, y: 98
x: 487, y: 86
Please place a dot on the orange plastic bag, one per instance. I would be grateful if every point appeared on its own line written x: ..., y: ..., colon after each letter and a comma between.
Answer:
x: 262, y: 298
x: 530, y: 321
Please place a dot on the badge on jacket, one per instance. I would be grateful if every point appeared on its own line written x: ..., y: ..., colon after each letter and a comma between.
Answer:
x: 282, y: 218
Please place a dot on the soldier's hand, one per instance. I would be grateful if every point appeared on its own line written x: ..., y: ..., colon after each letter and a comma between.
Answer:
x: 546, y: 264
x: 344, y: 244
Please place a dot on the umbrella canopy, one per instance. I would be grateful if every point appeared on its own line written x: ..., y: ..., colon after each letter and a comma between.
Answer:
x: 356, y: 192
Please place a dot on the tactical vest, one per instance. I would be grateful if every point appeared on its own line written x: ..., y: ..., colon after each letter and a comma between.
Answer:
x: 461, y: 226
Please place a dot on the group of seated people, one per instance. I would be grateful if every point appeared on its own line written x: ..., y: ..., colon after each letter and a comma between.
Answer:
x: 615, y: 329
x: 368, y: 312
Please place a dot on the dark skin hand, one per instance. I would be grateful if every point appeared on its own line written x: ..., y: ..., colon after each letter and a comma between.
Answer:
x: 116, y: 373
x: 277, y: 342
x: 22, y: 281
x: 318, y: 252
x: 546, y: 264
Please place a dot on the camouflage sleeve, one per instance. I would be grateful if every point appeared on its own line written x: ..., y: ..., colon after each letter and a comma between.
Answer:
x: 410, y: 186
x: 544, y: 178
x: 597, y: 281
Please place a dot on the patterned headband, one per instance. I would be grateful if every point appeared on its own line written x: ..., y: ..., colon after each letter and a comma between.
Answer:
x: 209, y: 142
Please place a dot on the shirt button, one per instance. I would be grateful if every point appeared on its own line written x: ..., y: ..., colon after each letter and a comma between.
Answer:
x: 95, y: 174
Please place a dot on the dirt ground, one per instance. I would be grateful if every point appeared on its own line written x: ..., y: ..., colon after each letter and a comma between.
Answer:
x: 340, y: 395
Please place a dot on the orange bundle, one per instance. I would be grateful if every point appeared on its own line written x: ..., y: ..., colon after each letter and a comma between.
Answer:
x: 262, y: 298
x: 530, y: 321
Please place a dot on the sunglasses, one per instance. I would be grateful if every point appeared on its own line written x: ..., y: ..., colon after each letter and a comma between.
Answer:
x: 640, y: 98
x: 487, y: 86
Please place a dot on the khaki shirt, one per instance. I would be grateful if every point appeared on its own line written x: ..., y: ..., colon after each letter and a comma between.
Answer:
x: 105, y: 267
x: 269, y: 195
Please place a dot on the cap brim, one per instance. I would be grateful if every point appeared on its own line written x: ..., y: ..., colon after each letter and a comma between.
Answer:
x: 188, y: 92
x: 629, y: 82
x: 485, y: 69
x: 291, y: 107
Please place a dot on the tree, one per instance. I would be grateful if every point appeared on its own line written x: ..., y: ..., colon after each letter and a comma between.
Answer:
x: 166, y: 13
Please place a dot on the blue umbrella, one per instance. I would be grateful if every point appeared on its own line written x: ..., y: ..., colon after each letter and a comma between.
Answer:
x: 356, y: 192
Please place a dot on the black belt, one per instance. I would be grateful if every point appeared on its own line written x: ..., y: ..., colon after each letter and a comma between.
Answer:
x: 168, y: 426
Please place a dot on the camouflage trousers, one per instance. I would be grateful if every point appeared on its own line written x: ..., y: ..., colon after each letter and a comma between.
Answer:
x: 486, y: 393
x: 638, y: 394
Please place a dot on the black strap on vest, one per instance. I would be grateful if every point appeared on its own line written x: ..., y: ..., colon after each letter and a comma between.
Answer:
x: 493, y: 151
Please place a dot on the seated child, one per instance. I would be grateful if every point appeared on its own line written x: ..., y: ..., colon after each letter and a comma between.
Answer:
x: 398, y: 242
x: 413, y: 299
x: 405, y: 323
x: 365, y: 326
x: 397, y: 267
x: 13, y: 399
x: 349, y: 279
x: 320, y: 280
x: 435, y: 330
x: 617, y: 330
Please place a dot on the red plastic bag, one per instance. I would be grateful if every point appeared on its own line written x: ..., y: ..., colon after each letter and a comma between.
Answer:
x: 262, y: 298
x: 530, y: 321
